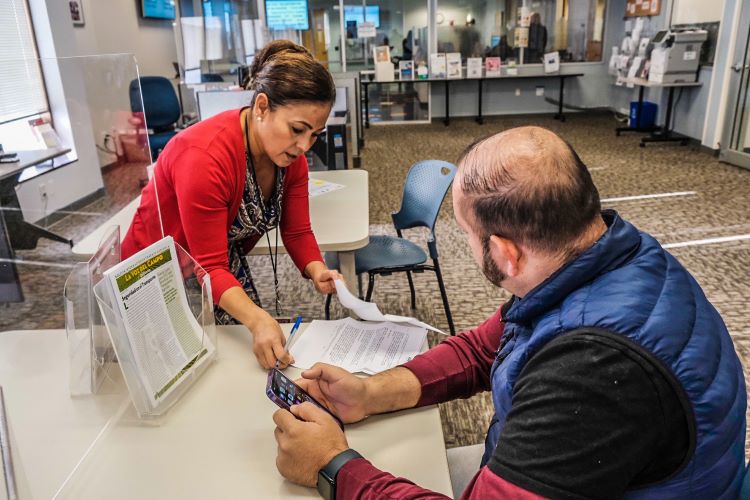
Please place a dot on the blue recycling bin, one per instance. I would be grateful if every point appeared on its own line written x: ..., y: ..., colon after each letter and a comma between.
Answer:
x: 648, y: 114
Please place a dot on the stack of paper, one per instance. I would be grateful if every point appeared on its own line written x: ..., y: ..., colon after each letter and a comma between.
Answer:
x: 357, y: 346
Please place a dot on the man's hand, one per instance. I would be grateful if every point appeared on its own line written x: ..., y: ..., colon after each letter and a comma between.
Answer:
x: 322, y: 277
x: 340, y: 391
x: 305, y: 446
x: 269, y: 341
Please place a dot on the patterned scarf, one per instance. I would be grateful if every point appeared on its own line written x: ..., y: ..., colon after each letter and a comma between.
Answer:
x: 254, y: 218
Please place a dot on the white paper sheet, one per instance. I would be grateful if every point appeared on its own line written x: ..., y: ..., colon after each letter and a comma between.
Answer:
x: 369, y: 311
x: 317, y: 187
x: 357, y: 346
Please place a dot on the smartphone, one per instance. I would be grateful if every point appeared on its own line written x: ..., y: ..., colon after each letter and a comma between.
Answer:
x: 281, y: 390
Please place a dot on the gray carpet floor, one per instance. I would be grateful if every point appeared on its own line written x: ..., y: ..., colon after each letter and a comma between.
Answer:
x: 717, y: 204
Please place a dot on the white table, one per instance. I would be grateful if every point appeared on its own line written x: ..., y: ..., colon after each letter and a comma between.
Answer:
x: 216, y: 443
x: 340, y: 220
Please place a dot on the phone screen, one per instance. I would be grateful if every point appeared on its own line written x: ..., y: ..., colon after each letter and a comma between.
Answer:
x: 285, y: 393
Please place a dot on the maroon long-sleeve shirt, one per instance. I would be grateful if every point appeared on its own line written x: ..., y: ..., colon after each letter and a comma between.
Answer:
x: 457, y: 368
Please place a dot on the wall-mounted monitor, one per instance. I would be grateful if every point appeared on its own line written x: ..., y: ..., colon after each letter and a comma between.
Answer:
x: 359, y: 14
x: 287, y: 15
x: 158, y: 9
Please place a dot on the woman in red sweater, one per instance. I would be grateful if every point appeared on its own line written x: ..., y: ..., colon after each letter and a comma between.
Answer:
x: 222, y: 184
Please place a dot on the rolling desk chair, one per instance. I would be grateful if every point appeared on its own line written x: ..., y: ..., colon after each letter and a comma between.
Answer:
x: 424, y: 190
x: 160, y: 107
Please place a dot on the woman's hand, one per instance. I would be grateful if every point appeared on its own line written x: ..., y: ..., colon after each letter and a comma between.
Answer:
x: 322, y: 277
x: 269, y: 341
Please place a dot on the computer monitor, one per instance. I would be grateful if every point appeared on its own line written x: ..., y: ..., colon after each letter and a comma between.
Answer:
x: 158, y: 9
x: 287, y: 15
x: 212, y: 103
x: 359, y: 14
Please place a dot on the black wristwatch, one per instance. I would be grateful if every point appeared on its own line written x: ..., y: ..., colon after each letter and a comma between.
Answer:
x: 327, y: 475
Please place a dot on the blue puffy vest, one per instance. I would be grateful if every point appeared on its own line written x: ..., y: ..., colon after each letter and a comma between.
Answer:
x: 628, y: 284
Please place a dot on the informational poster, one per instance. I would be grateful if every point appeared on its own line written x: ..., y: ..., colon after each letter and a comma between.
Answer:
x: 521, y: 37
x: 637, y: 8
x: 524, y: 17
x: 366, y: 30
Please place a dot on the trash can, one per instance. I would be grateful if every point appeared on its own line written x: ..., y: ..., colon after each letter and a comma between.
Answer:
x: 648, y: 114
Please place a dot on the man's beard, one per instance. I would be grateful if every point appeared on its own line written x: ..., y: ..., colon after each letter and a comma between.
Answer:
x: 489, y: 268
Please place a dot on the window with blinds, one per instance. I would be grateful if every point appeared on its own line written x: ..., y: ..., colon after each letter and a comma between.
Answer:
x: 22, y: 91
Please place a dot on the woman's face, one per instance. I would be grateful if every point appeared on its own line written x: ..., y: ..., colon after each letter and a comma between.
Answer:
x: 288, y: 131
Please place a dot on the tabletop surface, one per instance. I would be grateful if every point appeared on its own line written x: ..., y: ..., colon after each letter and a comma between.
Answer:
x: 29, y: 159
x: 648, y: 83
x: 325, y: 216
x: 217, y: 442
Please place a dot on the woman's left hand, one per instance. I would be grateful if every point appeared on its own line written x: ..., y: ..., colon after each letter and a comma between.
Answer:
x: 322, y: 277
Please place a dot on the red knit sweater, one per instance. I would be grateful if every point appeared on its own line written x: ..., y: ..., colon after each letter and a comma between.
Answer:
x: 200, y: 180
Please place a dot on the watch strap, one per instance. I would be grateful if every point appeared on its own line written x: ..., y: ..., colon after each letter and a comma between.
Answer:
x: 333, y: 467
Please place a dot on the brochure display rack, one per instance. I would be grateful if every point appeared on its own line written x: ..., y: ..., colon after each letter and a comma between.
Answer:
x: 158, y: 310
x: 90, y: 351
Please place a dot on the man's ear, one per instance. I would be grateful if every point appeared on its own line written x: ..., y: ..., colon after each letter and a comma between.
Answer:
x: 507, y: 255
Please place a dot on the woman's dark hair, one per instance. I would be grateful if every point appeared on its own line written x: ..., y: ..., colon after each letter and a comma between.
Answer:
x: 286, y: 73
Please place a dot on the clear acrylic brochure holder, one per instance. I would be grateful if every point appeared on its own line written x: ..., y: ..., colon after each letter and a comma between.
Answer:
x: 198, y: 294
x: 92, y: 359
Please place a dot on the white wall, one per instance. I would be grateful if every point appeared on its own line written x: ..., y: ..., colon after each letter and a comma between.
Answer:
x: 697, y: 11
x: 116, y: 27
x: 67, y: 99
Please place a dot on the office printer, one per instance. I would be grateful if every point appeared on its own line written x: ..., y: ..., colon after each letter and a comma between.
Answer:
x: 676, y: 55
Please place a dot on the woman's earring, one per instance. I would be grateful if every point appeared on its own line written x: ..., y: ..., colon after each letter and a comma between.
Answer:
x: 259, y: 118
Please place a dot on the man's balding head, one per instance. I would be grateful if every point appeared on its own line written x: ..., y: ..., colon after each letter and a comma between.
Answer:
x: 528, y: 185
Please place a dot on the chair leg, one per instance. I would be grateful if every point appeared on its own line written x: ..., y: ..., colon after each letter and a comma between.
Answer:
x: 359, y: 285
x: 447, y: 308
x: 328, y: 305
x: 370, y: 286
x: 411, y: 289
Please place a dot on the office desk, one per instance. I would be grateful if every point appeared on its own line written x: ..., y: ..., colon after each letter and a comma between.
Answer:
x: 217, y: 442
x: 340, y: 220
x: 665, y: 132
x: 447, y: 81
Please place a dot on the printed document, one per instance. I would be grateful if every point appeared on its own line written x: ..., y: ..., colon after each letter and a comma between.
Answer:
x: 317, y: 187
x: 369, y: 310
x: 166, y: 340
x: 357, y: 346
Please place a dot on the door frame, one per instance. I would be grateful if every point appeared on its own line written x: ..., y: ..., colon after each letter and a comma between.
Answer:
x: 739, y: 95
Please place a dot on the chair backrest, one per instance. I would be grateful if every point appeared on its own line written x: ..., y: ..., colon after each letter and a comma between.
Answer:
x: 160, y: 105
x: 211, y: 77
x: 424, y: 190
x: 745, y: 491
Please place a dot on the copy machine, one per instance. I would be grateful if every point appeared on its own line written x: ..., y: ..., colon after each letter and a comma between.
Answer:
x: 676, y: 55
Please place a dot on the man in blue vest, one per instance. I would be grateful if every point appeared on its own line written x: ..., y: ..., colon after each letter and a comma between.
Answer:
x: 611, y: 373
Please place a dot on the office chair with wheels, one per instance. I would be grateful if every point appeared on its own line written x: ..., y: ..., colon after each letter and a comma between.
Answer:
x: 424, y: 190
x: 160, y: 107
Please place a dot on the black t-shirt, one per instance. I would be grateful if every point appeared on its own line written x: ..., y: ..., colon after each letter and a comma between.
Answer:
x: 594, y: 414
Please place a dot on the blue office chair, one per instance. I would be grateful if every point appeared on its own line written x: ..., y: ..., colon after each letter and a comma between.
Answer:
x: 424, y: 190
x: 211, y: 77
x: 160, y: 107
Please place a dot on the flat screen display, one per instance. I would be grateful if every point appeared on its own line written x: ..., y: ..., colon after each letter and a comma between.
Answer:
x: 356, y: 13
x: 287, y: 15
x: 158, y: 9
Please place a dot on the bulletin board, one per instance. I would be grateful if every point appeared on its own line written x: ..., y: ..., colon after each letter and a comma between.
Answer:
x: 638, y: 8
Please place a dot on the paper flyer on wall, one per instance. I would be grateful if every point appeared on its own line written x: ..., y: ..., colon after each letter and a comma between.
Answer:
x: 357, y: 346
x: 165, y: 338
x: 369, y: 311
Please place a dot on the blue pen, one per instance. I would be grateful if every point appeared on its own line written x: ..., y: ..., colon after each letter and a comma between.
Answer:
x: 291, y: 334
